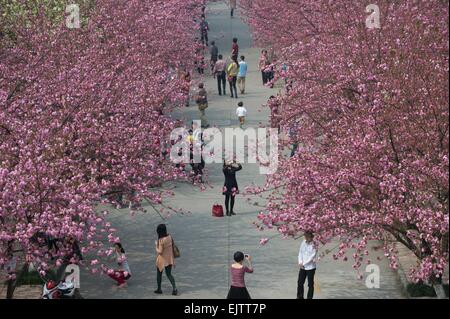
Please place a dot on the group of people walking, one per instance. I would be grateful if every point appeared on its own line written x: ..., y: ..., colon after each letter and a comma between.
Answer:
x: 233, y: 71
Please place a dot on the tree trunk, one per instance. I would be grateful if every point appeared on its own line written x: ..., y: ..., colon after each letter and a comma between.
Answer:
x: 12, y: 282
x: 440, y: 292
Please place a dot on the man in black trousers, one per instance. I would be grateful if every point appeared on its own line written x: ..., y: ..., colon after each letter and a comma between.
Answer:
x: 307, y: 262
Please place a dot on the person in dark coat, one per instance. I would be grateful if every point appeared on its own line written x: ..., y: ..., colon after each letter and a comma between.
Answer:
x: 230, y: 188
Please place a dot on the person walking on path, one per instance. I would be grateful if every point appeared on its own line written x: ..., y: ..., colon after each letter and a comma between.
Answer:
x: 307, y: 262
x: 238, y: 290
x: 234, y: 50
x: 230, y: 188
x: 214, y: 51
x: 241, y: 113
x: 204, y: 28
x: 221, y: 74
x: 165, y: 259
x: 242, y: 74
x: 123, y: 273
x: 263, y: 64
x: 232, y: 73
x: 232, y: 7
x: 202, y: 103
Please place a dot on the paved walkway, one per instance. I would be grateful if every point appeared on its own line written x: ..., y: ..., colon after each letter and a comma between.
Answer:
x: 206, y: 243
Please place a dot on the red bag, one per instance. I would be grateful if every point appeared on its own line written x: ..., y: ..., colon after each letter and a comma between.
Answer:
x: 217, y: 210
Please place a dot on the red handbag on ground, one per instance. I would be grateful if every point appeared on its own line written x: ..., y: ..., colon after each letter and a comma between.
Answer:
x: 217, y: 210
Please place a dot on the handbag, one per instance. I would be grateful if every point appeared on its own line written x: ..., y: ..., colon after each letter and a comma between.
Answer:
x: 176, y: 250
x: 217, y: 210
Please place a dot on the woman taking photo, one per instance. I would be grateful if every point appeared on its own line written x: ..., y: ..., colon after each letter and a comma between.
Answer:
x: 230, y: 188
x: 165, y: 259
x: 238, y: 289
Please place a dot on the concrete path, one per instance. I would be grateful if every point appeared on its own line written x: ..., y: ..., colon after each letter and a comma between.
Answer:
x: 206, y: 243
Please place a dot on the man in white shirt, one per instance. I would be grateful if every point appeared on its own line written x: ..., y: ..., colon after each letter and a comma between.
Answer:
x: 307, y: 262
x: 241, y: 112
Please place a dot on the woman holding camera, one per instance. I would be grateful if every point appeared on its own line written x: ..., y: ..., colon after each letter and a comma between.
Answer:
x: 230, y: 187
x: 238, y: 290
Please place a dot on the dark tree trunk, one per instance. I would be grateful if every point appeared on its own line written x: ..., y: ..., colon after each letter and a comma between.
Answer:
x: 12, y: 282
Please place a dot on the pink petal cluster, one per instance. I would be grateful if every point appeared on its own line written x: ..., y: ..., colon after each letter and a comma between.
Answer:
x: 369, y: 110
x: 83, y: 118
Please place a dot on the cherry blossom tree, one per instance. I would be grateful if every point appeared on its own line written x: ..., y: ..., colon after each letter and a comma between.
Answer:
x: 369, y: 105
x: 83, y: 113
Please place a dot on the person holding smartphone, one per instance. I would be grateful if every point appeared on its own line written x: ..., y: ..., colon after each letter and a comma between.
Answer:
x: 238, y: 289
x: 230, y: 187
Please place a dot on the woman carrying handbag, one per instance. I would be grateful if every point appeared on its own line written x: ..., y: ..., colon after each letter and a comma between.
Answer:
x: 230, y: 188
x: 165, y: 260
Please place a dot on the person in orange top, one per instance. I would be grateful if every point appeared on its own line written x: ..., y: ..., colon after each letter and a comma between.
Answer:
x: 165, y: 259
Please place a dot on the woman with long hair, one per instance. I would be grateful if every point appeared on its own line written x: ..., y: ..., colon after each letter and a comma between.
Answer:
x: 165, y: 259
x: 230, y: 188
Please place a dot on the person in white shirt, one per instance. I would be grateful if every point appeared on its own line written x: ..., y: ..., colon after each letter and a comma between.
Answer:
x: 241, y: 112
x: 307, y: 262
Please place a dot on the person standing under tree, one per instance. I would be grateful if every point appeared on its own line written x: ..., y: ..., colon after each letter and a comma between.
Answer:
x: 204, y: 28
x: 232, y: 7
x: 221, y: 74
x: 166, y: 259
x: 242, y: 74
x: 214, y: 51
x: 202, y: 103
x: 307, y: 262
x: 263, y: 63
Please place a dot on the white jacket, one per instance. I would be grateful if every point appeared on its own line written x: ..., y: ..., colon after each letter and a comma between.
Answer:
x: 307, y: 255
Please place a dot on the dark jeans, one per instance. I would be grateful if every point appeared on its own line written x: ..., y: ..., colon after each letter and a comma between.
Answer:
x: 301, y: 282
x: 294, y: 149
x: 168, y: 274
x: 233, y: 87
x: 205, y: 38
x: 222, y: 82
x: 229, y: 198
x: 264, y: 77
